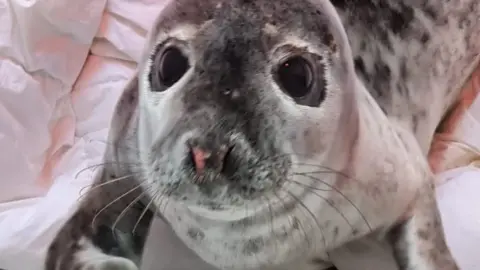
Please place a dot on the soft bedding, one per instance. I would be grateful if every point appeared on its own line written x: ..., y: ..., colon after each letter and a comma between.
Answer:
x: 56, y: 102
x: 63, y: 65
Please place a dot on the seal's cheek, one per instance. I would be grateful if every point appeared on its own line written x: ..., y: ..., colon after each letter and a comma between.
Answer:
x: 307, y: 135
x: 312, y: 131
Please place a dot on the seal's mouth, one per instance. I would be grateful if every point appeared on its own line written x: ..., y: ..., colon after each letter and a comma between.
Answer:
x: 220, y: 172
x: 209, y: 161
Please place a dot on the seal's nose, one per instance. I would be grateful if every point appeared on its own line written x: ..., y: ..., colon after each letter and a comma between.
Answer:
x: 208, y: 155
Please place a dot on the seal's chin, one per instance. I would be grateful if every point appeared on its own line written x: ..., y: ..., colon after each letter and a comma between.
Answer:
x: 237, y: 237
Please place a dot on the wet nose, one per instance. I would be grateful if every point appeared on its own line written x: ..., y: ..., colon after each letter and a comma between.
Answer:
x: 208, y: 155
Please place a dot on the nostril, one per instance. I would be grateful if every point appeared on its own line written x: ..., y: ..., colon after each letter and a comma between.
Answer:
x: 199, y: 158
x: 227, y: 157
x: 204, y: 157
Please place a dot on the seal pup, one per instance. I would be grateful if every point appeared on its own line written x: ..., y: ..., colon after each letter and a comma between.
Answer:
x: 268, y: 133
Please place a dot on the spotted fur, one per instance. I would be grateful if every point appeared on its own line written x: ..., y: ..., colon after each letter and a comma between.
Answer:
x: 307, y: 175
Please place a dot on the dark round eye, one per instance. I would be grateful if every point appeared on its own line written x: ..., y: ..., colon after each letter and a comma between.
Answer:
x: 171, y: 65
x: 295, y: 76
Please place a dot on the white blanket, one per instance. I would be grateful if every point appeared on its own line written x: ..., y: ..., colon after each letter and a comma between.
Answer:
x: 56, y: 102
x: 49, y: 130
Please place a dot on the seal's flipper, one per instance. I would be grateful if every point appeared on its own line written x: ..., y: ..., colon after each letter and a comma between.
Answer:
x: 100, y: 233
x: 419, y: 242
x: 109, y: 228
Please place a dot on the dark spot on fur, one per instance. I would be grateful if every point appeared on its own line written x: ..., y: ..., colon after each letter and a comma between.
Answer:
x: 425, y: 38
x: 335, y: 232
x: 383, y: 18
x: 330, y: 41
x: 401, y: 19
x: 245, y: 2
x: 363, y: 45
x: 243, y: 223
x: 253, y: 246
x: 402, y: 90
x: 430, y: 12
x: 382, y: 76
x: 383, y: 70
x: 213, y: 205
x: 423, y: 234
x: 322, y: 262
x: 283, y: 234
x: 360, y: 67
x: 195, y: 234
x: 295, y: 223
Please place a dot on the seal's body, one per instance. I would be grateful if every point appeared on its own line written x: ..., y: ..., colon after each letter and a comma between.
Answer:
x: 268, y: 133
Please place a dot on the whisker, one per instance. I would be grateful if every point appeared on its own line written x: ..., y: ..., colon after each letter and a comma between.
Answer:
x: 310, y: 189
x: 325, y: 170
x: 311, y: 214
x: 272, y: 233
x: 317, y: 188
x: 162, y: 198
x: 290, y: 220
x: 145, y: 210
x: 124, y: 211
x: 341, y: 194
x: 114, y: 201
x: 167, y: 199
x: 302, y: 228
x: 96, y: 186
x: 101, y: 164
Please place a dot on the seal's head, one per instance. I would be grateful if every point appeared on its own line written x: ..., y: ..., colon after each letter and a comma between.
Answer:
x: 238, y: 102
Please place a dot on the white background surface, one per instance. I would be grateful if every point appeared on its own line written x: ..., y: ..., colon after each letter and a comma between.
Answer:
x: 51, y: 129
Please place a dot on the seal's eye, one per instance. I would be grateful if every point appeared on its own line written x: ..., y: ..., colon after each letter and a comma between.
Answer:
x: 170, y: 65
x: 295, y: 76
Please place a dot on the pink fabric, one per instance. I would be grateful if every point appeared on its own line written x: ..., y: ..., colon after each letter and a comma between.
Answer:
x: 457, y: 144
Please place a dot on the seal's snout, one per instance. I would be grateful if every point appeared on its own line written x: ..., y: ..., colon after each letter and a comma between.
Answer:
x: 208, y: 153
